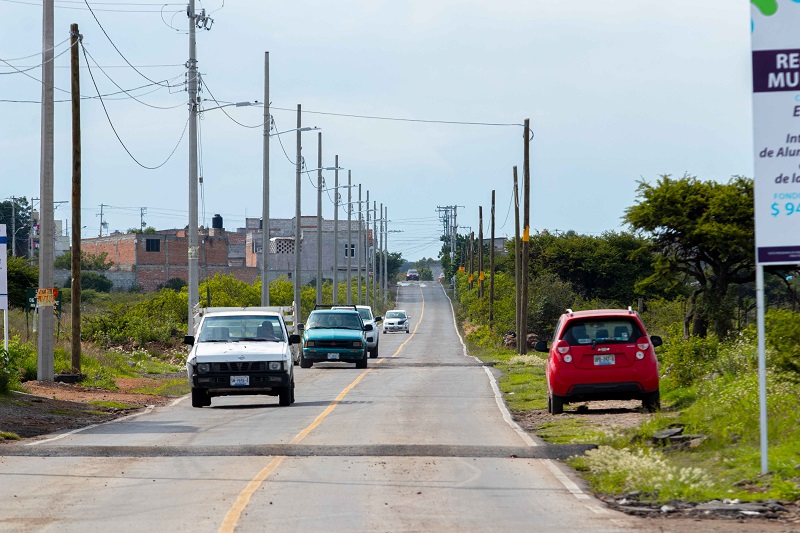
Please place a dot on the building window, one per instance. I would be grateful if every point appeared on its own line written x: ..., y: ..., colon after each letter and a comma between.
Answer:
x: 352, y: 250
x: 152, y: 245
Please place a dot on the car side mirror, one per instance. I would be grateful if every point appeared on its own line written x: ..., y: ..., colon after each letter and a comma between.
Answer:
x: 368, y: 327
x: 294, y: 339
x: 188, y: 339
x: 541, y: 346
x: 301, y: 327
x: 656, y: 340
x: 378, y: 319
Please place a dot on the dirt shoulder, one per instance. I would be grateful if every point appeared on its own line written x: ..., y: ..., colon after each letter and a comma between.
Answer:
x: 49, y: 407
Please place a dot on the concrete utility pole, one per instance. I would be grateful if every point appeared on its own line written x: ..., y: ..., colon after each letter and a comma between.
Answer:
x: 386, y: 255
x: 265, y: 190
x: 380, y: 247
x: 75, y: 305
x: 480, y: 252
x: 192, y: 250
x: 297, y: 252
x: 336, y: 233
x: 526, y: 187
x: 358, y: 246
x: 13, y: 226
x: 367, y: 254
x: 471, y: 258
x: 349, y: 236
x: 375, y: 255
x: 491, y: 269
x: 45, y: 358
x: 142, y: 223
x: 319, y: 218
x: 517, y: 271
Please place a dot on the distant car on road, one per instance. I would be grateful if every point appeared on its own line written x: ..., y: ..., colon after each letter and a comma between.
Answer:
x: 373, y: 337
x: 335, y: 335
x: 603, y: 354
x: 412, y: 274
x: 396, y: 320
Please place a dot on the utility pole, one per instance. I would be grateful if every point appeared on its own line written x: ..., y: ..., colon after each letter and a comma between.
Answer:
x: 192, y: 249
x: 13, y: 227
x: 386, y: 254
x: 349, y: 236
x: 45, y: 357
x: 142, y: 223
x: 101, y: 221
x: 480, y: 252
x: 383, y: 270
x: 265, y: 190
x: 319, y: 218
x: 471, y: 277
x: 367, y: 262
x: 297, y: 253
x: 75, y: 305
x: 336, y: 233
x: 491, y: 269
x: 517, y: 270
x: 358, y: 246
x: 526, y: 187
x: 375, y: 255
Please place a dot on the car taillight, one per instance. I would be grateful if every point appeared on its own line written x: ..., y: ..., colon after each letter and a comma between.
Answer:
x: 563, y: 349
x: 643, y: 343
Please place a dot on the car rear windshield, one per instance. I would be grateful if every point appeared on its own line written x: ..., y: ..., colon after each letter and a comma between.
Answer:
x: 346, y: 320
x: 608, y: 330
x: 239, y: 328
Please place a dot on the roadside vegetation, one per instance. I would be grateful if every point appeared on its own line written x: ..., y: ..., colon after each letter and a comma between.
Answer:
x: 687, y: 265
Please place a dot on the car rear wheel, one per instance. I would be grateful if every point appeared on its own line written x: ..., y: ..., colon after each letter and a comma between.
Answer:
x: 200, y: 398
x: 652, y: 402
x: 555, y: 404
x: 305, y: 363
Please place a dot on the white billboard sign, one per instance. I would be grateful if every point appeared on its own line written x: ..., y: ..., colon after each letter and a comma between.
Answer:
x: 776, y: 129
x: 3, y: 269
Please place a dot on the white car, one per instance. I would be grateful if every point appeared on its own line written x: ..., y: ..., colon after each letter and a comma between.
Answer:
x: 239, y: 351
x: 373, y: 337
x: 396, y: 320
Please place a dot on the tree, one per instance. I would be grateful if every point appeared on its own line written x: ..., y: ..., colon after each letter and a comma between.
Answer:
x: 394, y: 260
x: 21, y: 276
x: 20, y: 224
x: 88, y: 261
x: 703, y: 233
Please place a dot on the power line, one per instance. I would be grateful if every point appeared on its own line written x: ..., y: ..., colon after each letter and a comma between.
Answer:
x: 117, y: 134
x: 19, y: 71
x: 38, y: 54
x: 39, y: 4
x: 397, y: 119
x: 203, y: 82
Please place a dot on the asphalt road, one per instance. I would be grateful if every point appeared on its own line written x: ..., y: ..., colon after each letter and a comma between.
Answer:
x: 420, y: 441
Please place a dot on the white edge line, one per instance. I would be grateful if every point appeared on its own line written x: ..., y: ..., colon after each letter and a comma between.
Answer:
x: 148, y: 409
x: 556, y: 470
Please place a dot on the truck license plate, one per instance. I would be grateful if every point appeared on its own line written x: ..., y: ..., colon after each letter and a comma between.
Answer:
x: 605, y: 359
x: 333, y: 356
x: 240, y: 381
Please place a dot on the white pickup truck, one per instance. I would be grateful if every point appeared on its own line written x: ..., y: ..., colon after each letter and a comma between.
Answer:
x: 242, y: 350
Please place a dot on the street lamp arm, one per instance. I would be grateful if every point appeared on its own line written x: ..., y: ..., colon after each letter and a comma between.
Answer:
x: 293, y: 130
x: 232, y: 104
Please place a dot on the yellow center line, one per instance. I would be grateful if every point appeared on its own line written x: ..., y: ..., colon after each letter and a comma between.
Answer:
x: 232, y: 518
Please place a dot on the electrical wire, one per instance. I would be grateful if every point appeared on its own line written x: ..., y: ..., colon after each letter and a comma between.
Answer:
x: 397, y: 119
x: 18, y: 71
x: 127, y: 92
x: 39, y: 4
x: 510, y: 201
x: 117, y: 134
x: 37, y: 54
x: 117, y: 49
x: 226, y: 113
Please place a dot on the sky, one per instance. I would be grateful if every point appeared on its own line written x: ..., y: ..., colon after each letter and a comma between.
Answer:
x: 616, y: 91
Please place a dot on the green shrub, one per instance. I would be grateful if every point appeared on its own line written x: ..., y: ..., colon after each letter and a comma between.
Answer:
x: 783, y: 338
x: 683, y: 361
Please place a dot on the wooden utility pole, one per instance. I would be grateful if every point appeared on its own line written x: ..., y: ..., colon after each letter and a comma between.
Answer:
x: 491, y: 269
x: 526, y: 233
x: 75, y: 305
x: 517, y: 270
x: 471, y: 277
x: 480, y: 252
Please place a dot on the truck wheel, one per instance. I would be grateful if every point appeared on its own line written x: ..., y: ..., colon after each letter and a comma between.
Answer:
x: 305, y: 363
x: 285, y: 397
x: 374, y: 352
x: 200, y: 398
x: 363, y: 362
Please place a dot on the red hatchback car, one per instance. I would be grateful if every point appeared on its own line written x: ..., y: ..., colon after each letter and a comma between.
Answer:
x: 602, y: 354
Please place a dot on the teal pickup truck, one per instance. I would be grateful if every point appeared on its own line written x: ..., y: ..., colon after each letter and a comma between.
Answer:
x: 334, y: 335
